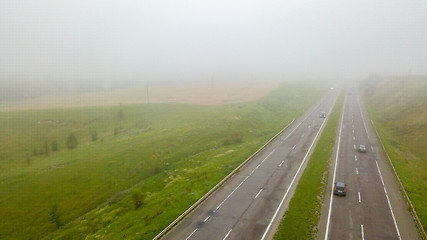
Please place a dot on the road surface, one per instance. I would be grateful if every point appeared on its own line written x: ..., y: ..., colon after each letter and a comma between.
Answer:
x: 250, y: 204
x: 374, y: 208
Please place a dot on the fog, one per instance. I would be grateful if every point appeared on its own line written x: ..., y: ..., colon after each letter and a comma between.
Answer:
x: 70, y: 43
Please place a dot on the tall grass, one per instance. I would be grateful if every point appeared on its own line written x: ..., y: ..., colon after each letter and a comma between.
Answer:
x: 303, y: 214
x: 167, y: 154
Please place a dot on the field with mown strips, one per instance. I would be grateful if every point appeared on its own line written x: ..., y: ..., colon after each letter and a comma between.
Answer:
x: 145, y: 165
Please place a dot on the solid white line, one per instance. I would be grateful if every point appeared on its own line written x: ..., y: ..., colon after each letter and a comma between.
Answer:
x: 258, y: 193
x: 227, y: 234
x: 292, y: 182
x: 281, y: 163
x: 191, y: 234
x: 357, y: 171
x: 206, y: 218
x: 335, y: 172
x: 358, y: 193
x: 363, y: 234
x: 355, y: 158
x: 388, y: 200
x: 294, y: 147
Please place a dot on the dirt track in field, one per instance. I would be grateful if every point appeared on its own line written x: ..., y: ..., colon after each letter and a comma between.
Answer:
x: 201, y: 93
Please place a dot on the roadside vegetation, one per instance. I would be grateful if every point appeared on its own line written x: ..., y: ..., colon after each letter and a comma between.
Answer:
x: 127, y: 171
x: 398, y: 107
x: 301, y: 219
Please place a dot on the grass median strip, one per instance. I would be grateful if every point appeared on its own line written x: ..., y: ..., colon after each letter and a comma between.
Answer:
x: 301, y: 218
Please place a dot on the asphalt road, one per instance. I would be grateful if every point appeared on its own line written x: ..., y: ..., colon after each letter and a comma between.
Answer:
x: 244, y: 207
x: 374, y: 207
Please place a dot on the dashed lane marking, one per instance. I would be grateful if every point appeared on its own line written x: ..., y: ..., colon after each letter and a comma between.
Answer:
x: 258, y: 193
x: 226, y: 236
x: 191, y: 234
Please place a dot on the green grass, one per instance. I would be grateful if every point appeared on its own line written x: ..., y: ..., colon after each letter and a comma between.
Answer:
x: 398, y: 107
x: 301, y: 219
x: 171, y: 154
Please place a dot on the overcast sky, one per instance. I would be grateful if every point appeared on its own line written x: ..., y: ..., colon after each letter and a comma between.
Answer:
x: 146, y: 40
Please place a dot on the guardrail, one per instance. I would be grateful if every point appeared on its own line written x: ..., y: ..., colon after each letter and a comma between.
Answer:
x: 414, y: 213
x: 208, y: 194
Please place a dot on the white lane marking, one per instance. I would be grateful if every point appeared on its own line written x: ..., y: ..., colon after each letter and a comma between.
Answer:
x: 352, y: 125
x: 302, y: 135
x: 268, y: 155
x: 351, y: 120
x: 191, y: 234
x: 355, y: 158
x: 206, y: 218
x: 354, y: 138
x: 281, y: 163
x: 292, y: 182
x: 230, y: 194
x: 309, y: 126
x: 388, y: 200
x: 335, y: 172
x: 252, y: 172
x: 258, y: 193
x: 363, y: 120
x: 226, y: 236
x: 294, y: 147
x: 363, y: 234
x: 358, y: 193
x: 354, y: 146
x: 352, y: 130
x: 357, y: 171
x: 372, y: 148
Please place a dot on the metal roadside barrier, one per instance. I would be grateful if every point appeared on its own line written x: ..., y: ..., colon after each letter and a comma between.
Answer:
x: 414, y: 213
x: 202, y: 199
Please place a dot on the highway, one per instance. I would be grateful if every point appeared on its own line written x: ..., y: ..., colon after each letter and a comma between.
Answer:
x: 250, y: 204
x: 374, y: 208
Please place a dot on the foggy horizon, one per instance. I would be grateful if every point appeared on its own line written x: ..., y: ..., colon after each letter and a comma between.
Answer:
x: 109, y: 42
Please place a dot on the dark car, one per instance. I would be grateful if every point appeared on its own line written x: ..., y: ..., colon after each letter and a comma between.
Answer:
x: 340, y: 189
x: 362, y: 148
x: 322, y: 114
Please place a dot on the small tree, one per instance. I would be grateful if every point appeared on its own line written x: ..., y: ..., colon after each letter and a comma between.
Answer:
x: 54, y: 146
x: 54, y: 216
x: 46, y: 148
x: 35, y: 152
x: 28, y: 159
x: 71, y: 141
x: 138, y: 199
x: 94, y: 135
x: 120, y: 114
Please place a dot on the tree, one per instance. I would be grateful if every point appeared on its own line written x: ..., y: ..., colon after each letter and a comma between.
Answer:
x: 94, y: 135
x: 71, y: 141
x: 54, y: 146
x: 46, y: 148
x: 28, y: 159
x: 54, y: 215
x: 35, y: 152
x: 138, y: 199
x: 120, y: 114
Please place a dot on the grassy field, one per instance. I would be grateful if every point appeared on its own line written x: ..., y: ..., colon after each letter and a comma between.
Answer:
x: 398, y: 107
x: 144, y: 170
x: 301, y: 219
